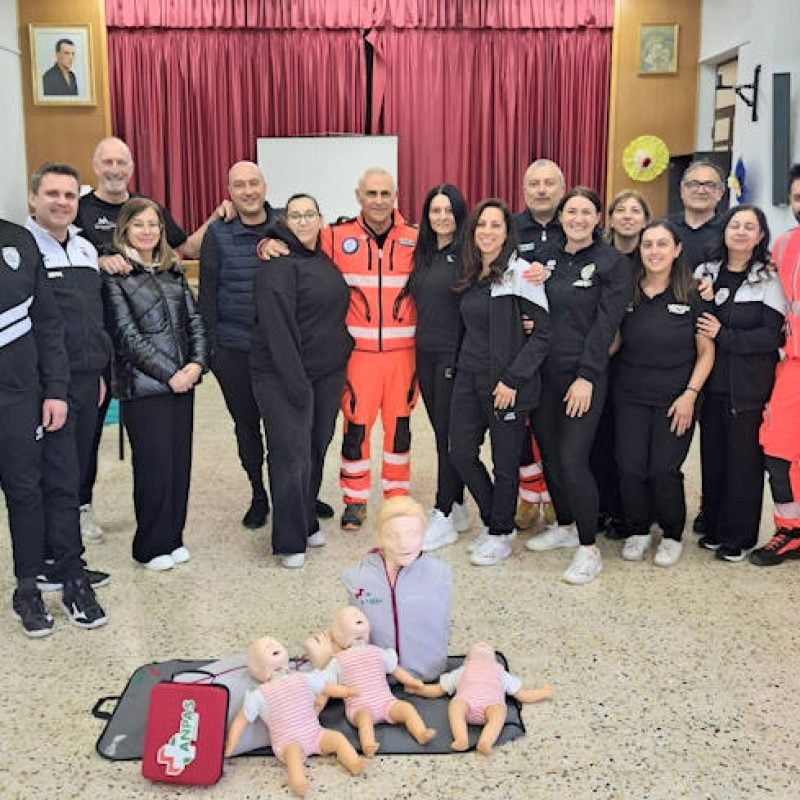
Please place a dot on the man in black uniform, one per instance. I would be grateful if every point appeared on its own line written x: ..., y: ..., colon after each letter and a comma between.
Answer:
x: 539, y: 235
x: 702, y: 187
x: 60, y: 80
x: 33, y: 365
x: 71, y: 265
x: 97, y: 218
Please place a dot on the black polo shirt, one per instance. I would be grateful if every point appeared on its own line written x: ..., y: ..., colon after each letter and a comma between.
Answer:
x: 658, y: 350
x: 537, y: 242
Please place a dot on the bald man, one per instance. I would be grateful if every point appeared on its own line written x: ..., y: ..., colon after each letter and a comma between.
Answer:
x: 228, y: 267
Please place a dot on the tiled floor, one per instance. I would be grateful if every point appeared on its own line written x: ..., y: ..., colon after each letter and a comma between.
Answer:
x: 671, y: 684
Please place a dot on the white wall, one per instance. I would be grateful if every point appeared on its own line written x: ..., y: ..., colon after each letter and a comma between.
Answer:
x: 13, y: 169
x: 765, y: 32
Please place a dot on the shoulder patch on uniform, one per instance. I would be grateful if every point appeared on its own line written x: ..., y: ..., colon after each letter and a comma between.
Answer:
x: 12, y: 257
x: 350, y: 245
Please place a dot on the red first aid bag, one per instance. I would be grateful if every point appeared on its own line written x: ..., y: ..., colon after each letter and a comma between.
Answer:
x: 184, y: 740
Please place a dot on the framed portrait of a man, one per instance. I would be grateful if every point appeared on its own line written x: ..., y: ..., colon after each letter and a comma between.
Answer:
x: 61, y: 65
x: 658, y: 49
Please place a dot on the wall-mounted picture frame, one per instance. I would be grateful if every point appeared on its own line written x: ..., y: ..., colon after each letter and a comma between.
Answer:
x: 658, y: 49
x: 61, y: 65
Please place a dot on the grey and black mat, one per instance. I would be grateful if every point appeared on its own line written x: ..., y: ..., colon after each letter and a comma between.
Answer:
x: 122, y: 738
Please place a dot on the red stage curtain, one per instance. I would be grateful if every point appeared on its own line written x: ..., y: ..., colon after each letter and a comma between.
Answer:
x: 191, y: 103
x: 474, y: 109
x: 364, y: 14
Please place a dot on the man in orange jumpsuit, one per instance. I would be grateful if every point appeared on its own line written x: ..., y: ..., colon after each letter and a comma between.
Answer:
x: 374, y: 253
x: 780, y: 431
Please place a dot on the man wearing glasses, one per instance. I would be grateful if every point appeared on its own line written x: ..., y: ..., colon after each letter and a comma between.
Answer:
x: 702, y: 187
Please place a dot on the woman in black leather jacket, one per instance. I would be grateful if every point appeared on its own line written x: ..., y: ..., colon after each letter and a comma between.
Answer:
x: 160, y: 354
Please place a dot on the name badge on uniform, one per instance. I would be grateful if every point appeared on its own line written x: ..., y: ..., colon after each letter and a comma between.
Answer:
x: 407, y: 242
x: 11, y: 257
x: 350, y: 245
x: 526, y: 247
x: 722, y: 295
x: 55, y: 273
x: 678, y: 308
x: 586, y: 276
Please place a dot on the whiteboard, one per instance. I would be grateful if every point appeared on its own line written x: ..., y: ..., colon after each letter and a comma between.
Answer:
x: 326, y: 167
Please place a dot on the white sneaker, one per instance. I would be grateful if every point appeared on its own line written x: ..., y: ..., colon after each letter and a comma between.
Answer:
x: 160, y: 563
x: 440, y: 531
x: 317, y: 540
x: 90, y: 530
x: 635, y: 547
x: 669, y: 552
x: 180, y: 555
x: 494, y: 550
x: 586, y: 565
x: 484, y: 537
x: 554, y: 537
x: 294, y: 561
x: 460, y: 517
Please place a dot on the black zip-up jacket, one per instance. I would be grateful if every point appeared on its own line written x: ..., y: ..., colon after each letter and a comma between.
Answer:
x: 588, y: 293
x: 300, y: 305
x: 537, y: 242
x: 432, y: 288
x: 515, y: 358
x: 32, y: 352
x: 155, y: 329
x: 751, y: 333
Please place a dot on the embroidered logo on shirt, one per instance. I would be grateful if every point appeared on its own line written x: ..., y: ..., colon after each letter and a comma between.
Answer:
x: 526, y: 247
x: 678, y: 308
x: 722, y: 295
x: 451, y: 259
x: 586, y: 276
x: 104, y: 224
x: 350, y: 245
x: 11, y: 257
x: 366, y: 598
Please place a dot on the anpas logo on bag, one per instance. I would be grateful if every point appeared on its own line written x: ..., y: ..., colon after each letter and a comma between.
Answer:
x: 180, y: 750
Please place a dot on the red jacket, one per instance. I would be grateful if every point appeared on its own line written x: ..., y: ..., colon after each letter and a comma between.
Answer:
x: 381, y: 316
x: 786, y: 254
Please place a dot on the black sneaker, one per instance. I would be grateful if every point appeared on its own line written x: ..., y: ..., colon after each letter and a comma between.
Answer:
x: 707, y: 543
x: 785, y: 544
x: 353, y: 516
x: 732, y: 554
x: 50, y: 583
x: 256, y: 516
x: 616, y: 529
x: 699, y: 524
x: 29, y: 608
x: 80, y: 605
x: 323, y: 510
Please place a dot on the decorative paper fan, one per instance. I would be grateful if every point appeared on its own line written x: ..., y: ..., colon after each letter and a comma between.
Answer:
x: 645, y: 158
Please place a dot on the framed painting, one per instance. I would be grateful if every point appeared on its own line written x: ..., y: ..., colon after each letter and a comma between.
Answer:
x: 658, y: 49
x: 61, y: 65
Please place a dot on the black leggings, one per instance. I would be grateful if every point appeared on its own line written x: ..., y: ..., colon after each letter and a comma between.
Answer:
x: 565, y: 443
x: 434, y: 373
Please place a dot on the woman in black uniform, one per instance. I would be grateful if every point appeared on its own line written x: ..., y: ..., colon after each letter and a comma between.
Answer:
x: 588, y: 290
x: 497, y: 379
x: 300, y: 351
x: 437, y: 270
x: 747, y: 324
x: 658, y: 374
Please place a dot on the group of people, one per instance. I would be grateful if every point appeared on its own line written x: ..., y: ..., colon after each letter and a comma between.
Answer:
x: 588, y: 360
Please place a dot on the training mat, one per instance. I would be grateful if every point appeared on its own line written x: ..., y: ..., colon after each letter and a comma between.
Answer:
x: 122, y: 738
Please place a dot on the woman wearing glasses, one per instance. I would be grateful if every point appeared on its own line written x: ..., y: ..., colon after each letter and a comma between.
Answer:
x: 300, y: 351
x: 160, y: 354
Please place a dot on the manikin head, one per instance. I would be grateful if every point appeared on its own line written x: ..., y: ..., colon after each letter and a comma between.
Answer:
x: 265, y: 657
x: 349, y: 626
x: 480, y: 651
x: 400, y: 528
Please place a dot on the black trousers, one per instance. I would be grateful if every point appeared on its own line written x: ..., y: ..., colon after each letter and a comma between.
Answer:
x: 472, y: 414
x: 21, y: 445
x: 88, y: 448
x: 232, y: 370
x: 434, y: 373
x: 565, y: 443
x: 160, y: 432
x: 61, y: 473
x: 733, y: 473
x: 603, y: 461
x: 299, y: 431
x: 650, y: 457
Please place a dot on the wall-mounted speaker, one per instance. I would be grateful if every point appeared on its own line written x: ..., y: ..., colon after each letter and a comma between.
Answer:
x: 780, y: 136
